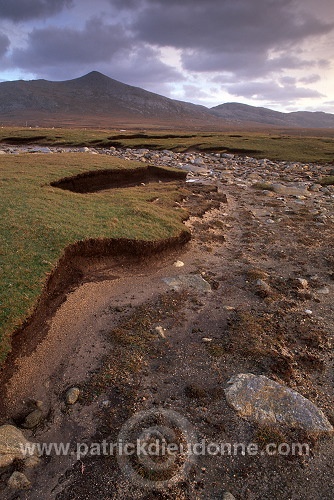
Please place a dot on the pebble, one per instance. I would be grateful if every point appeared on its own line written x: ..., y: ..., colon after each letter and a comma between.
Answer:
x: 72, y: 395
x: 178, y: 263
x: 228, y: 496
x: 160, y: 331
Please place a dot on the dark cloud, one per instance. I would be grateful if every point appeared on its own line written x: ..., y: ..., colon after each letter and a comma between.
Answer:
x: 271, y: 91
x: 218, y: 35
x: 58, y: 53
x: 94, y: 43
x: 4, y: 44
x: 24, y: 10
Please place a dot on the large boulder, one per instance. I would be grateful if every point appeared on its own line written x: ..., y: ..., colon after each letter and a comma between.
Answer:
x: 13, y: 445
x: 262, y: 400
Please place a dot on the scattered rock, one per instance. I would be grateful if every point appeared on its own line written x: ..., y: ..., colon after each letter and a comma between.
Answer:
x: 18, y: 481
x: 178, y: 263
x: 12, y: 444
x: 72, y: 395
x: 260, y: 399
x: 206, y: 340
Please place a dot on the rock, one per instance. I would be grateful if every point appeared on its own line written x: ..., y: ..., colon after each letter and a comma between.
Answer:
x: 72, y: 395
x: 324, y: 290
x: 41, y: 150
x: 35, y: 417
x: 289, y: 190
x: 32, y: 462
x: 228, y: 496
x: 193, y: 281
x: 12, y: 445
x: 227, y: 156
x: 178, y: 263
x: 260, y: 399
x: 18, y: 481
x: 160, y: 331
x: 263, y: 289
x: 301, y: 283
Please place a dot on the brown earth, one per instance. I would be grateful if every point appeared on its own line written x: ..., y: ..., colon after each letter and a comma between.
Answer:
x: 102, y: 338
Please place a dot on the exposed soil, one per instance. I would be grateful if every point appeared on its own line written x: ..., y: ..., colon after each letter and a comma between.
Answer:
x: 102, y: 338
x: 90, y: 182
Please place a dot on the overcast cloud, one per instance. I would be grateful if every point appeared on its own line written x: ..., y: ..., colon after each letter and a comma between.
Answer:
x: 260, y: 51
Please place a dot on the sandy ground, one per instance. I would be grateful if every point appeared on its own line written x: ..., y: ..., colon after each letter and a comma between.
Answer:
x: 103, y: 339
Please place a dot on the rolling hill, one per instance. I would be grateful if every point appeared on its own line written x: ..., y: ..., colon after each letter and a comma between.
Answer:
x: 244, y: 113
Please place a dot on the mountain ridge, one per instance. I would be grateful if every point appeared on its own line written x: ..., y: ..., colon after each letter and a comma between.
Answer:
x: 96, y: 99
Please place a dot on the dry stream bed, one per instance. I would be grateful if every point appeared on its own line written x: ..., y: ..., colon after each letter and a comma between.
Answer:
x: 254, y: 295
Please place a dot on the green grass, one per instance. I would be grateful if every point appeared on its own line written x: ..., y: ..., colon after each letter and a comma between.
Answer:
x: 37, y: 222
x: 302, y: 145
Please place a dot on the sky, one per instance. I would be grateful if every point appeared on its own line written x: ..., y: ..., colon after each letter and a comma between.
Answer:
x: 272, y: 53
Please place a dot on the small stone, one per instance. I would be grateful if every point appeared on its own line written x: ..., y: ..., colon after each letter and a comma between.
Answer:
x: 206, y: 339
x: 228, y: 496
x: 160, y: 331
x: 324, y: 291
x: 263, y: 289
x: 18, y: 481
x: 35, y: 417
x: 308, y: 311
x: 72, y: 395
x: 179, y: 263
x: 229, y: 308
x: 303, y: 283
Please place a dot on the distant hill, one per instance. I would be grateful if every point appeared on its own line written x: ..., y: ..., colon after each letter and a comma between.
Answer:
x: 97, y: 100
x: 92, y: 99
x: 245, y: 113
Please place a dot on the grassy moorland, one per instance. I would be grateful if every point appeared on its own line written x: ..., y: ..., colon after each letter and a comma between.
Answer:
x: 38, y: 222
x: 292, y: 145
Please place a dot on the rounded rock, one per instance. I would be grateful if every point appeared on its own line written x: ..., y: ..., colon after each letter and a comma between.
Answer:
x: 72, y: 395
